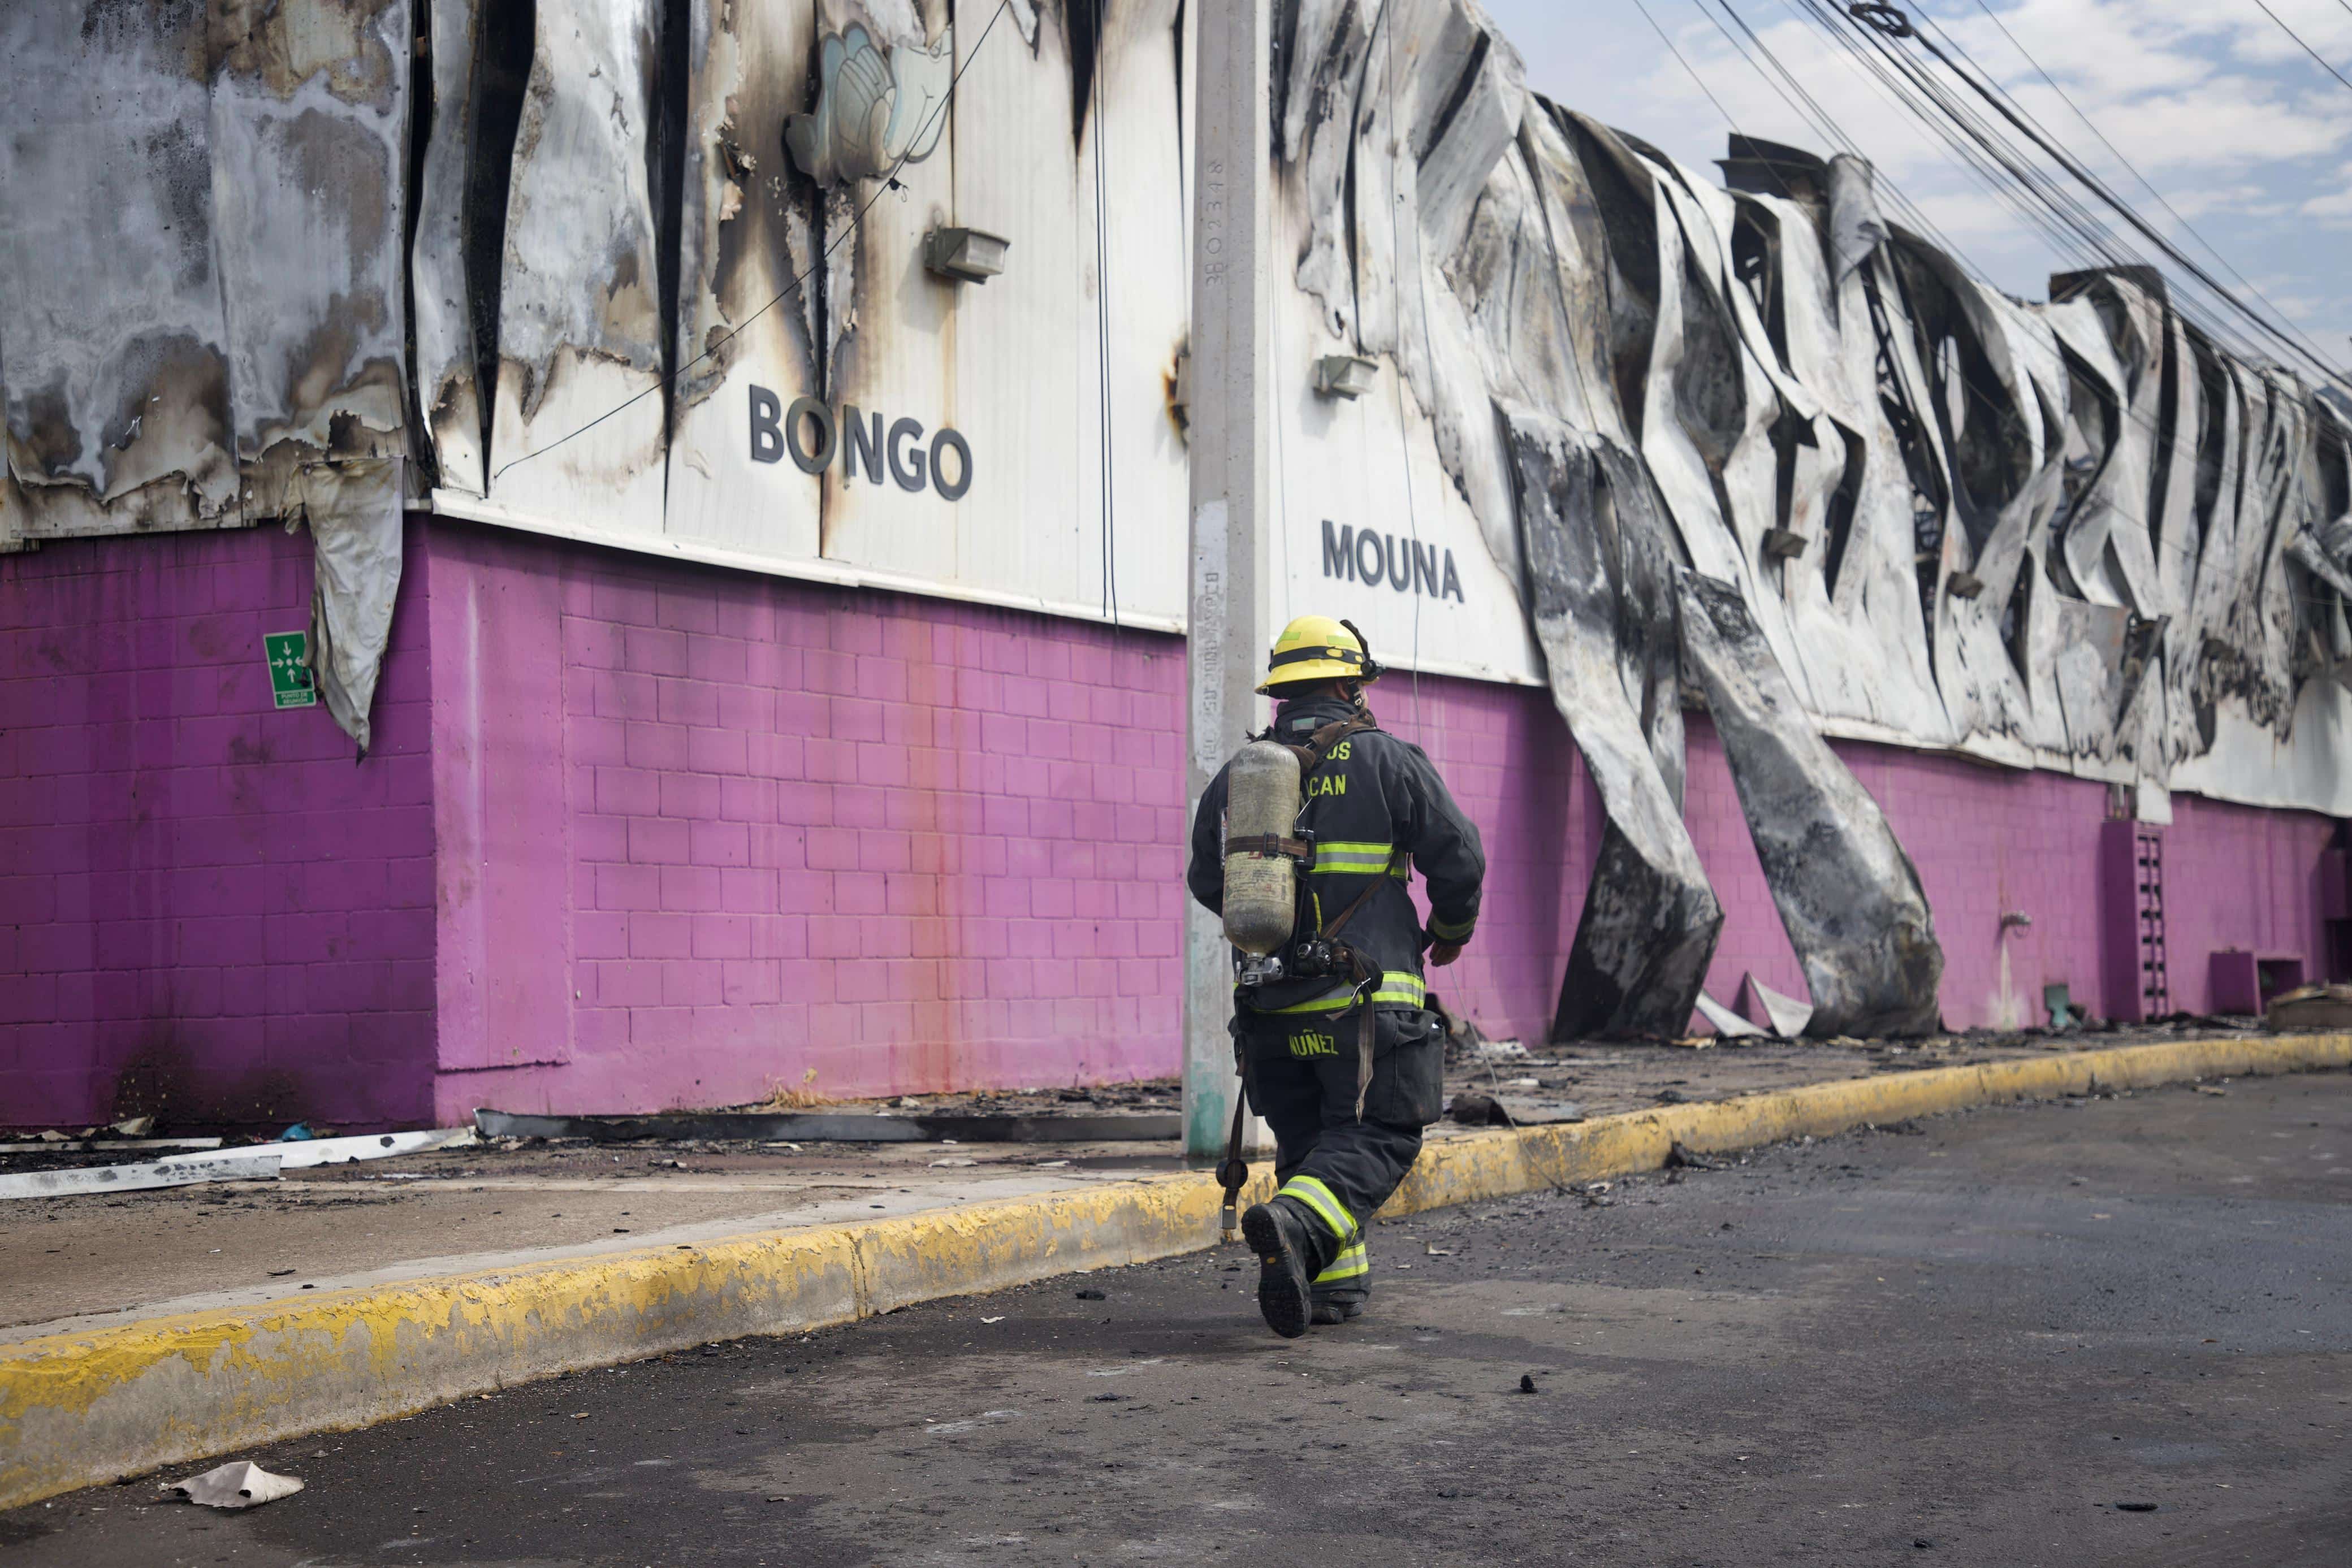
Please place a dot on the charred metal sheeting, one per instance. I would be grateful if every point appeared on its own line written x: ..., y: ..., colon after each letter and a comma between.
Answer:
x: 202, y: 258
x: 1923, y: 491
x: 448, y: 202
x: 260, y: 1163
x: 1771, y: 1011
x: 109, y: 1145
x: 354, y: 512
x: 820, y: 1128
x: 1595, y: 578
x: 584, y: 301
x: 1846, y: 892
x: 1726, y: 1022
x: 306, y: 1152
x: 186, y: 1170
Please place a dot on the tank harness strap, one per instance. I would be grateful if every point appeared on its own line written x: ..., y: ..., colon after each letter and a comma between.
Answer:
x: 1366, y: 979
x: 1317, y: 747
x: 1311, y: 757
x: 1271, y: 844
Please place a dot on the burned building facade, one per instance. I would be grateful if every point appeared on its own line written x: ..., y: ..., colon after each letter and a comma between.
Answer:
x: 726, y: 466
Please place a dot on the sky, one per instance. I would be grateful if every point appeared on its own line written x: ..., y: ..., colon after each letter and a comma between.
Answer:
x: 2219, y: 110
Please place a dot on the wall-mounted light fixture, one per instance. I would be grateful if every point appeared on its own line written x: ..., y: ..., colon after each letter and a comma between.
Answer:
x: 965, y: 256
x: 1344, y: 376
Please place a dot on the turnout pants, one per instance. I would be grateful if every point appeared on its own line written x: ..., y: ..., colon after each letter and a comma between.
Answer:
x: 1300, y: 1071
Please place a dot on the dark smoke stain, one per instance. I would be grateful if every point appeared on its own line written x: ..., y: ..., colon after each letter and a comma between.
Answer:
x: 1082, y: 28
x: 667, y: 134
x: 46, y: 432
x: 182, y: 166
x: 152, y: 27
x: 504, y: 35
x: 1456, y: 96
x: 162, y: 1082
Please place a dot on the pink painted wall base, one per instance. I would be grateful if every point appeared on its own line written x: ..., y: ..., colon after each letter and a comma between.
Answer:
x: 814, y: 841
x: 639, y: 834
x: 207, y: 910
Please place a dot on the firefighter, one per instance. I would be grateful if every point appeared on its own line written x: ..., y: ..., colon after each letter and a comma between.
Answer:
x: 1341, y: 1053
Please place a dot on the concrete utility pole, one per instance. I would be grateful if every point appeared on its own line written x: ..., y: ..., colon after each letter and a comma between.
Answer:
x: 1231, y: 405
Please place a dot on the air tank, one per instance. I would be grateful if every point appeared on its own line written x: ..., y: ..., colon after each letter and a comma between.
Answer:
x: 1261, y: 890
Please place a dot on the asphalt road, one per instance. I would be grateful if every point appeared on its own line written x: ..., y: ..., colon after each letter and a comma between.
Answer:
x: 1966, y: 1341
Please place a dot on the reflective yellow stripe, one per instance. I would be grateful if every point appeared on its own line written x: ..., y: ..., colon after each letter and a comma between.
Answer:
x: 1398, y: 988
x: 1351, y: 1264
x: 1449, y: 931
x: 1353, y: 859
x: 1331, y: 1002
x: 1326, y: 1207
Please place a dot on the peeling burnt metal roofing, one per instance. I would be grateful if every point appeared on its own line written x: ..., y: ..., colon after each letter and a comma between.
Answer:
x: 2076, y: 534
x: 201, y: 256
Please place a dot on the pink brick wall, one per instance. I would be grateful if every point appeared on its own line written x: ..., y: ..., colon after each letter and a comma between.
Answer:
x: 1507, y: 758
x: 640, y: 834
x: 1988, y: 841
x: 848, y: 843
x: 206, y: 908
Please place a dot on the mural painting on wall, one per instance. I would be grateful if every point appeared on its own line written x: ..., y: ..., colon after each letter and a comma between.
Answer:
x: 1746, y: 438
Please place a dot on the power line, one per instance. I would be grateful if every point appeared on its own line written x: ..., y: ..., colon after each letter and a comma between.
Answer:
x: 2307, y: 49
x: 1887, y: 79
x: 2076, y: 231
x: 2212, y: 250
x: 889, y: 181
x: 2091, y: 182
x: 2064, y: 238
x: 2072, y: 231
x: 2108, y: 197
x: 1686, y: 65
x: 1834, y: 132
x: 2105, y: 249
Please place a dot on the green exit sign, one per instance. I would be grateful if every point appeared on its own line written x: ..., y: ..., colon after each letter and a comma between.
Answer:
x: 289, y: 668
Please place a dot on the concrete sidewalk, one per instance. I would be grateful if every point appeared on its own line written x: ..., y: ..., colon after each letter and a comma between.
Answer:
x: 70, y: 1262
x: 158, y: 1327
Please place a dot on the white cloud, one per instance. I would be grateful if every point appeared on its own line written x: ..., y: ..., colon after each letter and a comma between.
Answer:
x: 2332, y: 208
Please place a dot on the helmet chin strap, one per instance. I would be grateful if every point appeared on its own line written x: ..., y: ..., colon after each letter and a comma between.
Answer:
x: 1373, y: 668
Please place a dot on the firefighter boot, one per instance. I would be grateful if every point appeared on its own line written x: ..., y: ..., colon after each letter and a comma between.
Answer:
x: 1286, y: 1262
x: 1338, y: 1293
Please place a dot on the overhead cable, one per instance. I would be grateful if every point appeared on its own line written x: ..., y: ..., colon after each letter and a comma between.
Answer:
x: 2072, y: 232
x: 2072, y: 229
x: 1873, y: 18
x: 2307, y: 49
x: 2116, y: 153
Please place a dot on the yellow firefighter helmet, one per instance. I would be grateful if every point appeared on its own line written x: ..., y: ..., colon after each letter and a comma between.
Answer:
x: 1317, y: 648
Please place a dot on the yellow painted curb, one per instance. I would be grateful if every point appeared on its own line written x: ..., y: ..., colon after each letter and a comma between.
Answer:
x: 1463, y: 1170
x: 76, y: 1409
